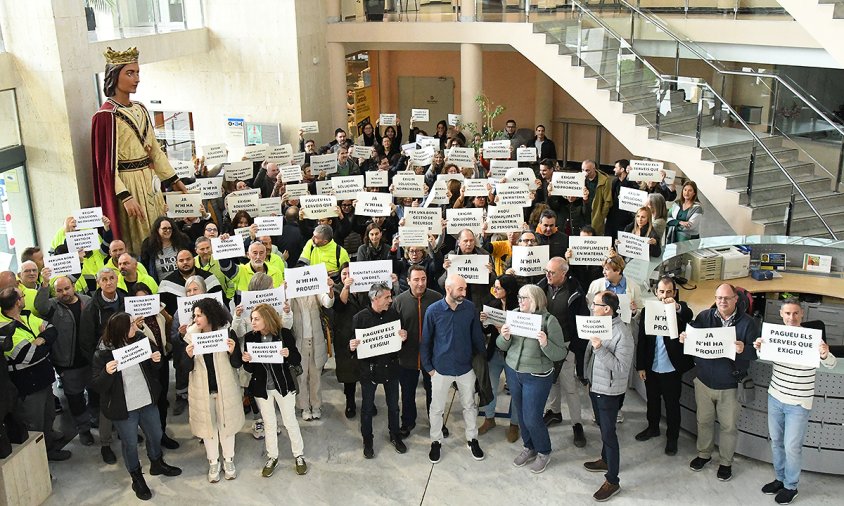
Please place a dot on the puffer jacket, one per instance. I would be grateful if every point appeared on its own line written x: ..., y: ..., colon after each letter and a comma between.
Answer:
x: 524, y: 353
x: 608, y: 367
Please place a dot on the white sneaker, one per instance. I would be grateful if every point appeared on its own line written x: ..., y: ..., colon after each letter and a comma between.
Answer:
x: 316, y: 413
x: 213, y: 471
x: 619, y: 418
x: 229, y: 469
x: 258, y: 429
x: 307, y: 415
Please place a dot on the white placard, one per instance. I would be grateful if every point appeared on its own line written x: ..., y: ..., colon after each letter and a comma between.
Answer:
x: 631, y: 200
x: 419, y: 114
x: 370, y: 272
x: 143, y: 305
x: 408, y: 184
x: 717, y: 342
x: 293, y: 191
x: 791, y: 345
x: 86, y: 240
x: 373, y: 204
x: 526, y: 154
x: 658, y: 321
x: 257, y: 152
x: 325, y: 188
x: 377, y: 178
x: 183, y: 169
x: 504, y: 219
x: 290, y: 173
x: 523, y: 175
x: 524, y: 324
x: 324, y: 163
x: 475, y: 187
x: 305, y: 281
x: 132, y: 354
x: 233, y: 247
x: 633, y: 246
x: 237, y: 202
x: 215, y: 341
x: 624, y: 310
x: 459, y: 219
x: 62, y: 265
x: 347, y: 187
x: 209, y: 187
x: 494, y: 316
x: 89, y: 217
x: 438, y: 195
x: 408, y: 148
x: 265, y: 353
x: 243, y: 233
x: 496, y: 149
x: 410, y: 236
x: 386, y: 119
x: 422, y: 157
x: 594, y: 326
x: 512, y: 194
x: 298, y: 159
x: 462, y: 157
x: 274, y: 297
x: 183, y: 205
x: 638, y: 270
x: 309, y: 127
x: 364, y: 152
x: 185, y: 305
x: 426, y: 142
x: 270, y: 206
x: 319, y: 206
x: 280, y: 154
x: 430, y: 218
x: 454, y: 119
x: 567, y: 184
x: 445, y: 178
x: 589, y: 250
x: 269, y: 225
x: 473, y: 268
x: 499, y: 168
x: 214, y: 154
x: 671, y: 319
x: 239, y: 171
x: 530, y: 260
x: 646, y: 170
x: 378, y: 340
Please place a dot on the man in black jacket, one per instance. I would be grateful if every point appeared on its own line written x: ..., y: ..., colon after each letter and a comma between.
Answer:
x: 544, y: 146
x: 661, y: 365
x: 556, y: 239
x: 467, y: 244
x: 617, y: 218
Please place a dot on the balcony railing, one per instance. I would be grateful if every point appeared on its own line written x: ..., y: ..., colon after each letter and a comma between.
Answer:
x: 118, y: 19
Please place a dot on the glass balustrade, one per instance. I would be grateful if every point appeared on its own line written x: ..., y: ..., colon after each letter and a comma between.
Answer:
x: 117, y: 19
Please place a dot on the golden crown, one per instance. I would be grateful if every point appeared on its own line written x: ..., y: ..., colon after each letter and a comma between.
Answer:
x: 121, y: 57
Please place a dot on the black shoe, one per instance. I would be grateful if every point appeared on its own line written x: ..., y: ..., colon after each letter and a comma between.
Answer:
x: 58, y: 455
x: 86, y: 438
x: 550, y: 418
x: 157, y: 467
x: 108, y: 456
x: 398, y: 444
x: 368, y: 450
x: 95, y: 422
x: 671, y: 447
x: 404, y: 432
x: 169, y: 443
x: 697, y: 463
x: 351, y: 411
x: 445, y: 431
x: 180, y: 405
x: 647, y: 434
x: 785, y: 496
x: 725, y: 473
x: 773, y: 487
x: 475, y: 448
x: 434, y: 454
x: 139, y: 485
x: 579, y: 436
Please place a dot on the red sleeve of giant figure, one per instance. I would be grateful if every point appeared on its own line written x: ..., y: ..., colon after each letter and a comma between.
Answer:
x: 104, y: 157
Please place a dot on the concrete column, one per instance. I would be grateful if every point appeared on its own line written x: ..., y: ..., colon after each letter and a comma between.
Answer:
x: 471, y: 81
x: 333, y: 11
x: 467, y: 11
x: 337, y: 83
x: 544, y: 106
x: 385, y: 89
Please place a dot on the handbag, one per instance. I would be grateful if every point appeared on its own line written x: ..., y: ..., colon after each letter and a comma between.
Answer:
x: 746, y: 391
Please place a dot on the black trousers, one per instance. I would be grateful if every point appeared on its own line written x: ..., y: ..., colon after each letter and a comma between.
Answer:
x: 665, y: 387
x: 163, y: 404
x: 409, y: 381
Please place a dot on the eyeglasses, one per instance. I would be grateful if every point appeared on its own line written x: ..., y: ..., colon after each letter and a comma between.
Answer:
x: 604, y: 305
x: 522, y: 297
x: 724, y: 299
x: 210, y: 229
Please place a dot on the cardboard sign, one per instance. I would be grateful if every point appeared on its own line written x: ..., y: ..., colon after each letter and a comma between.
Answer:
x: 475, y: 187
x: 633, y: 246
x: 387, y: 119
x: 185, y: 305
x: 473, y: 268
x: 232, y: 247
x: 310, y: 127
x: 243, y: 233
x: 364, y: 152
x: 265, y: 353
x: 459, y: 219
x: 646, y: 170
x: 589, y: 250
x: 182, y: 168
x: 89, y: 217
x: 524, y: 324
x: 144, y: 305
x: 215, y: 341
x: 257, y: 152
x: 718, y: 342
x: 791, y: 345
x: 378, y: 340
x: 526, y: 154
x: 422, y: 157
x: 499, y: 168
x: 567, y: 184
x: 817, y: 263
x: 462, y: 157
x: 132, y: 354
x: 419, y: 114
x: 290, y: 173
x: 410, y: 236
x: 269, y: 225
x: 238, y: 171
x: 275, y: 297
x: 325, y: 188
x: 513, y: 194
x: 280, y: 154
x: 85, y: 240
x: 594, y: 326
x: 62, y: 265
x: 660, y: 319
x: 324, y: 163
x: 408, y: 184
x: 184, y: 205
x: 214, y: 154
x: 237, y: 202
x: 298, y: 159
x: 631, y: 200
x: 496, y: 149
x: 504, y: 219
x: 270, y: 206
x: 373, y: 204
x: 209, y: 187
x: 305, y: 281
x: 523, y: 175
x: 497, y: 317
x: 454, y: 119
x: 368, y: 273
x: 347, y: 187
x: 438, y: 195
x: 431, y: 218
x: 530, y: 260
x: 317, y: 207
x: 377, y: 178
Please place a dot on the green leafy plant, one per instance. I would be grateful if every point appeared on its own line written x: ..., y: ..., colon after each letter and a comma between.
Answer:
x: 101, y: 5
x: 489, y: 111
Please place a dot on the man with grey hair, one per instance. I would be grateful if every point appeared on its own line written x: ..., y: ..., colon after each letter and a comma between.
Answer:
x: 266, y: 179
x: 594, y: 206
x: 467, y: 244
x: 379, y: 369
x: 321, y: 249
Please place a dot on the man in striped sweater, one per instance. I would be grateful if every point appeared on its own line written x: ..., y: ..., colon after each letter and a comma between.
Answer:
x: 790, y: 395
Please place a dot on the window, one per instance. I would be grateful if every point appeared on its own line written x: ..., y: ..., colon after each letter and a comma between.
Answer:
x: 117, y: 19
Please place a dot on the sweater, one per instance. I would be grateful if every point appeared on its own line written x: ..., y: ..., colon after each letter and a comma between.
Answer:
x: 412, y: 311
x: 524, y: 353
x: 450, y: 338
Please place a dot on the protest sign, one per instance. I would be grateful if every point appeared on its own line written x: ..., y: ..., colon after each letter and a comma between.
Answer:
x: 237, y: 202
x: 475, y: 187
x: 631, y: 200
x: 530, y: 260
x: 422, y: 157
x: 88, y: 217
x: 430, y: 218
x: 62, y: 265
x: 473, y: 268
x: 185, y: 305
x: 411, y: 236
x: 454, y: 119
x: 717, y: 342
x: 242, y: 232
x: 214, y: 154
x: 451, y: 176
x: 325, y: 188
x: 408, y: 184
x: 293, y: 191
x: 386, y: 119
x: 589, y: 250
x: 649, y: 171
x: 238, y: 171
x: 209, y: 187
x: 347, y: 187
x: 438, y: 195
x: 462, y: 157
x: 798, y: 346
x: 184, y: 205
x: 215, y: 341
x: 499, y: 168
x: 523, y: 175
x: 378, y: 340
x: 594, y: 326
x: 290, y: 173
x: 275, y: 297
x: 494, y: 316
x: 366, y: 274
x: 304, y: 281
x: 624, y: 310
x: 459, y: 219
x: 144, y: 305
x: 257, y: 152
x: 232, y: 247
x: 319, y: 206
x: 183, y: 169
x: 373, y: 204
x: 270, y: 206
x: 298, y: 159
x: 658, y: 319
x: 408, y: 148
x: 377, y: 178
x: 269, y: 225
x: 310, y: 127
x: 85, y: 240
x: 524, y: 324
x: 132, y: 354
x: 265, y: 353
x: 364, y: 152
x: 280, y: 154
x: 324, y: 163
x: 419, y: 114
x: 504, y: 219
x: 567, y: 184
x: 526, y: 154
x: 633, y: 246
x: 513, y: 194
x: 496, y: 149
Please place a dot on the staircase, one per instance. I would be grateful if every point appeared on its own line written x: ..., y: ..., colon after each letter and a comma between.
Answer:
x: 823, y: 20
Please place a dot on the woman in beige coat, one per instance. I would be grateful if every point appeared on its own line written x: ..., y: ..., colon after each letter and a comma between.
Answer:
x: 214, y: 394
x: 311, y: 343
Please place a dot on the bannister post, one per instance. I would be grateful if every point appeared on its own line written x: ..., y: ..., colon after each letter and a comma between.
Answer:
x: 840, y: 166
x: 618, y: 74
x: 699, y: 126
x: 750, y: 174
x: 789, y: 213
x: 660, y: 94
x: 677, y: 60
x: 579, y: 37
x: 772, y: 114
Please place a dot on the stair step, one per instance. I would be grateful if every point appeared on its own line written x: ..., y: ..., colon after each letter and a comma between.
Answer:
x: 826, y: 201
x: 783, y: 155
x: 806, y: 222
x: 734, y: 149
x: 647, y: 103
x: 764, y: 191
x: 738, y: 178
x: 675, y: 116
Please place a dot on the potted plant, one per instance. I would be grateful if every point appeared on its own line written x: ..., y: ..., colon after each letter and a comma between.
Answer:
x: 97, y: 5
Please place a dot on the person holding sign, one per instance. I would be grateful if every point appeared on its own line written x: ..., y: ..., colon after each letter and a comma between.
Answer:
x: 607, y: 369
x: 346, y: 306
x: 321, y: 249
x: 717, y: 379
x: 214, y: 393
x: 661, y: 364
x: 129, y: 398
x: 467, y: 245
x: 614, y: 281
x: 617, y: 218
x: 266, y: 178
x: 273, y: 383
x: 595, y: 205
x: 379, y: 369
x: 529, y: 367
x: 642, y: 227
x: 556, y: 239
x: 367, y: 136
x: 241, y: 274
x: 684, y: 216
x: 790, y: 396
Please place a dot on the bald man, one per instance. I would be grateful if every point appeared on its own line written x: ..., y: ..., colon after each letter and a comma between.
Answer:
x: 131, y: 275
x: 115, y: 249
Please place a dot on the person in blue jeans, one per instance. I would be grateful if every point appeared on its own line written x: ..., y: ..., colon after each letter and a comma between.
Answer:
x: 790, y: 395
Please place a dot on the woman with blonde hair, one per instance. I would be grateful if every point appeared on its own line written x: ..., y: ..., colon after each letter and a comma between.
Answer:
x: 642, y: 227
x: 659, y: 215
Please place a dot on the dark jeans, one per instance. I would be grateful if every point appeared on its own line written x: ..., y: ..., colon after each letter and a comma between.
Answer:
x: 528, y: 396
x: 349, y: 390
x: 74, y: 382
x: 606, y: 409
x: 667, y: 386
x: 164, y: 380
x: 147, y: 419
x: 391, y: 392
x: 409, y: 380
